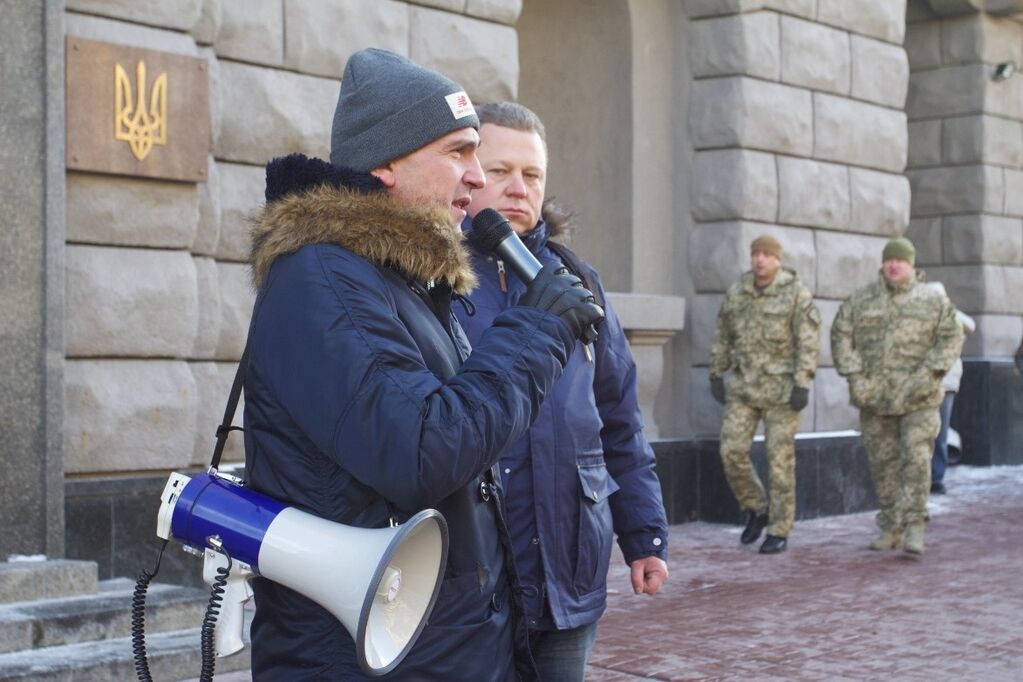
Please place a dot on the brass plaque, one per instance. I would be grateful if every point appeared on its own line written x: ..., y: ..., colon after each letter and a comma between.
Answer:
x: 137, y: 112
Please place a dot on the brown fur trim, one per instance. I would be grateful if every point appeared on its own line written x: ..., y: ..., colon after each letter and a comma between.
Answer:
x: 558, y: 219
x: 421, y: 244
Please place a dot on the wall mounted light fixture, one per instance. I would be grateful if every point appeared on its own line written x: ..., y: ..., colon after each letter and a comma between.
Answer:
x: 1003, y: 71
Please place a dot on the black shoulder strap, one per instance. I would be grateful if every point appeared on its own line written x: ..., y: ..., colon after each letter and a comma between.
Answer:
x: 225, y: 427
x: 575, y: 265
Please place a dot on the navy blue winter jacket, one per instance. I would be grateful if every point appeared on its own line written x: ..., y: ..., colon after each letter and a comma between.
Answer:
x: 360, y: 392
x: 583, y: 469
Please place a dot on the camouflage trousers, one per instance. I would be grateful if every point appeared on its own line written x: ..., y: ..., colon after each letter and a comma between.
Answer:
x: 780, y: 426
x: 899, y: 452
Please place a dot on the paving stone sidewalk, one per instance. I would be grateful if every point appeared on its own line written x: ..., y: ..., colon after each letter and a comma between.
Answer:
x: 828, y: 608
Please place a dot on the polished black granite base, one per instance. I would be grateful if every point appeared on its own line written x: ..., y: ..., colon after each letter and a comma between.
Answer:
x: 988, y: 413
x: 831, y: 478
x: 113, y: 522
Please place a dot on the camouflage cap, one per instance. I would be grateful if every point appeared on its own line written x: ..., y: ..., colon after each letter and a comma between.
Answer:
x: 766, y: 244
x: 899, y: 248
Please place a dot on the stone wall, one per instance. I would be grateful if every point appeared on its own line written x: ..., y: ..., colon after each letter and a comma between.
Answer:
x: 32, y: 279
x: 966, y: 164
x: 158, y: 293
x: 797, y: 122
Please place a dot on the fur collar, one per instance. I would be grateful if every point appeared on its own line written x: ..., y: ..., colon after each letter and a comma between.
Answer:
x: 312, y: 202
x: 558, y: 218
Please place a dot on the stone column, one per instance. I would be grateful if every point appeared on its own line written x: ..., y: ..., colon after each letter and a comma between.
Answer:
x: 965, y: 110
x: 31, y: 277
x: 650, y: 322
x: 966, y: 164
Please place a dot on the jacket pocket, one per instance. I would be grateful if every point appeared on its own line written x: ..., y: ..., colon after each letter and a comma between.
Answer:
x: 863, y: 391
x: 920, y: 388
x: 595, y: 527
x: 775, y: 324
x: 461, y: 601
x: 869, y: 328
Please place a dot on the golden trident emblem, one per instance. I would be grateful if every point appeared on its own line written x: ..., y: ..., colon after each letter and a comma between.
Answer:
x: 141, y: 128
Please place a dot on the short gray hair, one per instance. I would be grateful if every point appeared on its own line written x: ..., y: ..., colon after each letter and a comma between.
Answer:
x: 512, y: 115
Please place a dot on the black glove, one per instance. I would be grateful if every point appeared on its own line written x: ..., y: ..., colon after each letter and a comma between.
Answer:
x: 558, y: 291
x: 799, y: 398
x: 717, y: 389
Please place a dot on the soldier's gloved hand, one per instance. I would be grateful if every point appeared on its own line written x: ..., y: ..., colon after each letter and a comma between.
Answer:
x: 558, y: 291
x: 799, y: 398
x: 717, y: 389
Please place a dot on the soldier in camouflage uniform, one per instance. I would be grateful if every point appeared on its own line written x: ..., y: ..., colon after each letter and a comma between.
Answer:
x: 893, y: 341
x: 768, y: 334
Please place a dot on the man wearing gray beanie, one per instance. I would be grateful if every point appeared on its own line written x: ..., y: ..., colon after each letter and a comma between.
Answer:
x: 362, y: 403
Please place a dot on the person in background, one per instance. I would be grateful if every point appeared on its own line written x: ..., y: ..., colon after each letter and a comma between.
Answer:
x: 768, y: 334
x: 950, y: 384
x: 893, y: 341
x: 584, y: 472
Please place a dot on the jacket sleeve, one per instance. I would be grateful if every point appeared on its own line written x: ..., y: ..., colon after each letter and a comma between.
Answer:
x: 637, y: 509
x: 721, y: 350
x: 843, y: 351
x: 948, y: 340
x: 807, y: 333
x: 345, y: 368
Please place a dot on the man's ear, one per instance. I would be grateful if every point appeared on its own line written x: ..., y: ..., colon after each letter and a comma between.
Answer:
x: 385, y: 174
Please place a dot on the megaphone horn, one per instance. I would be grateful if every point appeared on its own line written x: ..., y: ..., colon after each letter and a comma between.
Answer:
x: 381, y: 583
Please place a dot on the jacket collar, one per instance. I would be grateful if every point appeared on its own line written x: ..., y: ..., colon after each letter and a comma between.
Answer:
x: 784, y: 277
x: 907, y: 286
x: 310, y: 201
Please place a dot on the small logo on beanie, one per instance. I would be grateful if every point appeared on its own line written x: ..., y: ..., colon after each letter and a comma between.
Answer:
x: 460, y: 104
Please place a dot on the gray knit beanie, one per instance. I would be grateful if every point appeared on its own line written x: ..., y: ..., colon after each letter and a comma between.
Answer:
x: 390, y: 106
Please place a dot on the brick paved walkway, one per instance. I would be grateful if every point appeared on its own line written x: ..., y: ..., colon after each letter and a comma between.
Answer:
x: 829, y: 609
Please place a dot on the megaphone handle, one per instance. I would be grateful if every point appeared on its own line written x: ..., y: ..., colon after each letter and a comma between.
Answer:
x: 232, y: 595
x: 231, y: 621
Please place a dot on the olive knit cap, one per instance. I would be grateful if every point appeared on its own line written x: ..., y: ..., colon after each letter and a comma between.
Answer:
x: 390, y: 106
x: 899, y: 248
x: 766, y: 244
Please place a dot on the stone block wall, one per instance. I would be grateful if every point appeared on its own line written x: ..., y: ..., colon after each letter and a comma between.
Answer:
x: 158, y: 290
x: 799, y: 130
x: 966, y: 165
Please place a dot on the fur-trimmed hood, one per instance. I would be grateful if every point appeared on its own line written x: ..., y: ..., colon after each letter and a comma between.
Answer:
x: 309, y: 201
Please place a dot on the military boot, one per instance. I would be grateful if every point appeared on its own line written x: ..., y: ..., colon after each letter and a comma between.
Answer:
x: 888, y: 539
x: 754, y: 526
x: 914, y: 541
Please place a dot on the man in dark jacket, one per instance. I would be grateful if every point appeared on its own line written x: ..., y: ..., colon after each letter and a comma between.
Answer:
x: 362, y: 402
x: 584, y: 469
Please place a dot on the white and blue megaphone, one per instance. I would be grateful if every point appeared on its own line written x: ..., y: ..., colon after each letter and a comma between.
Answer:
x: 381, y: 583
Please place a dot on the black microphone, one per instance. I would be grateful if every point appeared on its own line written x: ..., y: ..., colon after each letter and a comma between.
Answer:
x: 492, y: 233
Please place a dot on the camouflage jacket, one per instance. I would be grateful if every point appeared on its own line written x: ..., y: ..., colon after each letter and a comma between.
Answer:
x: 894, y: 344
x: 769, y: 338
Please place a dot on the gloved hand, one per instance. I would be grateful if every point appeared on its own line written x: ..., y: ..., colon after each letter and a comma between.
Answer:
x: 717, y: 389
x: 558, y: 291
x: 799, y: 398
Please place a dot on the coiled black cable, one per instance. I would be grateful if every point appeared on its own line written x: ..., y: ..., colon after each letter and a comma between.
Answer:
x: 138, y: 619
x: 209, y: 621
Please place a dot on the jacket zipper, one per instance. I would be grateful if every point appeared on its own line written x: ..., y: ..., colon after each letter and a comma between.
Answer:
x: 501, y: 278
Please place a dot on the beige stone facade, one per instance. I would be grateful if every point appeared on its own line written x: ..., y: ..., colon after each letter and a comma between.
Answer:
x: 679, y: 131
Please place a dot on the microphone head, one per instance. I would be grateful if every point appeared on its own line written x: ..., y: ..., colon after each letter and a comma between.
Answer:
x: 489, y: 228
